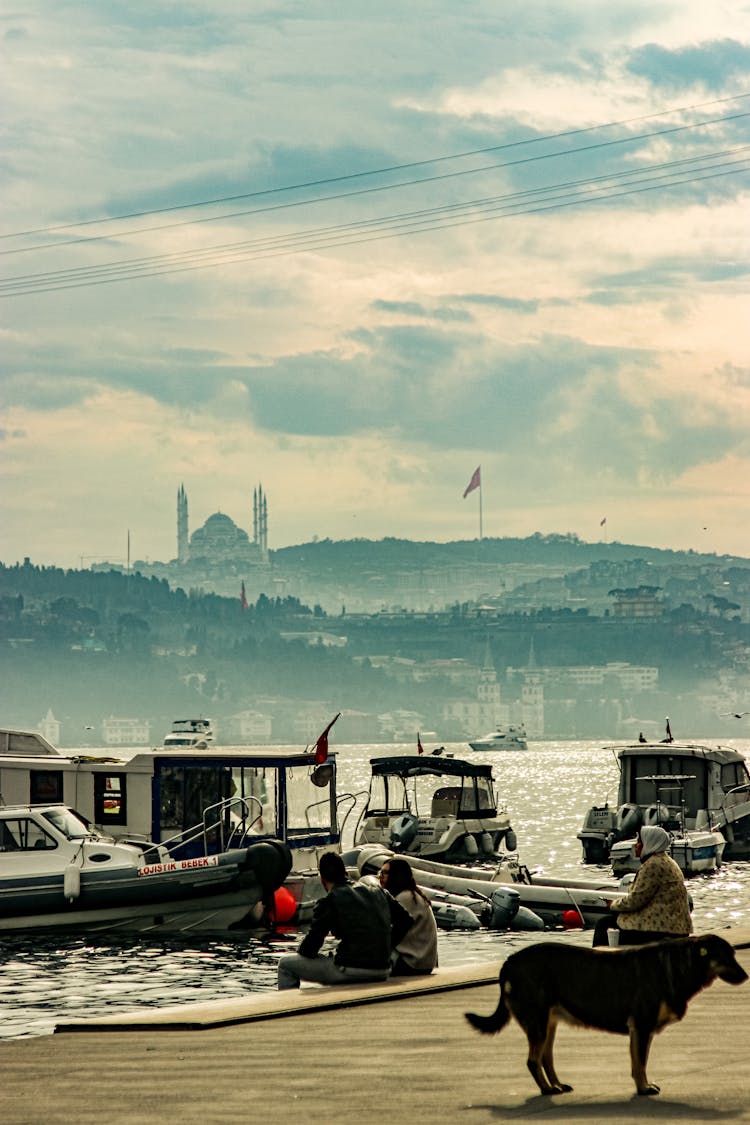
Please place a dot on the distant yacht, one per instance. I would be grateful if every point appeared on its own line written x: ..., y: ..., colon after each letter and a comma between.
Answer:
x: 195, y: 733
x: 503, y: 738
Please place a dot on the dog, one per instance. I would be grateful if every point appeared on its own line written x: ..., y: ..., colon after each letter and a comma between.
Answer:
x: 633, y: 991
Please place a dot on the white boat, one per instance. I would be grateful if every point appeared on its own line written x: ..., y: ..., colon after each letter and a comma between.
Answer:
x: 699, y: 794
x: 157, y: 795
x: 503, y: 738
x: 552, y: 900
x: 435, y: 807
x: 190, y: 732
x: 58, y: 873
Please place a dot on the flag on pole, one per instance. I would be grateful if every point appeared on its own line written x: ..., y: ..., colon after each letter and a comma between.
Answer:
x: 602, y: 522
x: 321, y: 746
x: 420, y: 747
x: 475, y: 482
x: 243, y: 597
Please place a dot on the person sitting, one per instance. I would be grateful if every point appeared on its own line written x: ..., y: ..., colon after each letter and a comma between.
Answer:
x: 417, y: 951
x: 361, y: 917
x: 657, y: 906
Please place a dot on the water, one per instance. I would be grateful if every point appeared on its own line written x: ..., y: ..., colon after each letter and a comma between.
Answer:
x: 547, y: 790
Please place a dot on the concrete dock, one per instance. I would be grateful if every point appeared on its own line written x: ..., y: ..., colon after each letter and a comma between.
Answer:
x: 386, y: 1054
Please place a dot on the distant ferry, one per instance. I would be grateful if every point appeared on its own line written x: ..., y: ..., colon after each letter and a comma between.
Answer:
x: 504, y: 738
x: 195, y: 733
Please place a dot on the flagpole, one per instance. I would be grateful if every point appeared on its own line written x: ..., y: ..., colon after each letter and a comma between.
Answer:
x: 480, y: 510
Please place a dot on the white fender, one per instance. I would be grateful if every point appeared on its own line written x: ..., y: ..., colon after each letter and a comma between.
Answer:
x: 72, y: 882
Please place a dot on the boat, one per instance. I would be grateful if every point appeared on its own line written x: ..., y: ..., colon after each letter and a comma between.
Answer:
x: 190, y: 732
x: 557, y: 902
x: 438, y: 807
x: 155, y: 796
x: 502, y: 738
x: 699, y: 794
x: 59, y: 874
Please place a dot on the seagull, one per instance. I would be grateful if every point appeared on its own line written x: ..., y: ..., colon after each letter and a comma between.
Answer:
x: 88, y: 728
x: 436, y: 752
x: 733, y: 714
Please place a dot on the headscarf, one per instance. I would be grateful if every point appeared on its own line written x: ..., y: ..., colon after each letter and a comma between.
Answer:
x: 654, y: 840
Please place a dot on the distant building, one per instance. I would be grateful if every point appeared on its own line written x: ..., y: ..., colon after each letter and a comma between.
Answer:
x: 248, y: 727
x: 220, y: 540
x: 49, y: 728
x: 125, y: 732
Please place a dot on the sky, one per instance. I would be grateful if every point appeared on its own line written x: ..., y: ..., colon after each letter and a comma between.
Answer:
x: 353, y: 252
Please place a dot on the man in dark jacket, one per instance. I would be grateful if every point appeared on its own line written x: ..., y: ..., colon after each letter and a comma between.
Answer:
x: 366, y: 920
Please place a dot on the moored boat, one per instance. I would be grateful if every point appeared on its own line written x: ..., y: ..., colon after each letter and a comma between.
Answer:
x: 436, y: 807
x: 59, y: 874
x: 699, y: 794
x: 552, y: 900
x: 157, y: 796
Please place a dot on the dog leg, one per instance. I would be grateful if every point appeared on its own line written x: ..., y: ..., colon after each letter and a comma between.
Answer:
x: 640, y: 1043
x: 548, y: 1062
x: 538, y: 1037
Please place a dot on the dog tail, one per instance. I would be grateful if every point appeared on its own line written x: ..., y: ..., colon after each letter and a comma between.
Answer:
x: 490, y: 1025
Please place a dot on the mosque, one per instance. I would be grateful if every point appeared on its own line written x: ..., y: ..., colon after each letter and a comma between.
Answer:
x: 220, y: 543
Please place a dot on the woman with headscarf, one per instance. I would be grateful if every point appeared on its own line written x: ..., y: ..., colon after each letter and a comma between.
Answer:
x: 657, y: 906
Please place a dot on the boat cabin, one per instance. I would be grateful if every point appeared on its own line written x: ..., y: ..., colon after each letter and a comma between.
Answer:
x: 157, y: 795
x: 683, y: 784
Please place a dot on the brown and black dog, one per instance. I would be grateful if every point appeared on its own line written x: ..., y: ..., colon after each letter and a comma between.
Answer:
x: 633, y: 991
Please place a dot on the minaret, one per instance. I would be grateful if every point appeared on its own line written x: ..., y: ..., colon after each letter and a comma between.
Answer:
x: 260, y: 522
x: 182, y: 525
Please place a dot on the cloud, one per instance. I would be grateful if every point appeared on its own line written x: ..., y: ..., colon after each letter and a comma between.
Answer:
x: 712, y: 65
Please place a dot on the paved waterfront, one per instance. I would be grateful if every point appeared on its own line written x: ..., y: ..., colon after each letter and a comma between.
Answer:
x: 410, y: 1058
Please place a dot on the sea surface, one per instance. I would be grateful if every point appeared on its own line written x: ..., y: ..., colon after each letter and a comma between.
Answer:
x: 547, y: 789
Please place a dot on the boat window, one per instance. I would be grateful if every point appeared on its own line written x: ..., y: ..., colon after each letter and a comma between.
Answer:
x: 45, y: 786
x: 258, y: 782
x: 377, y: 803
x: 24, y: 835
x: 476, y: 796
x: 185, y: 792
x: 669, y: 792
x: 308, y: 805
x: 732, y: 775
x: 110, y: 798
x: 66, y: 821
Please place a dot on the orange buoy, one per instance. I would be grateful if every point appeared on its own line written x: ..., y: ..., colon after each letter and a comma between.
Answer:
x: 572, y: 920
x: 284, y: 906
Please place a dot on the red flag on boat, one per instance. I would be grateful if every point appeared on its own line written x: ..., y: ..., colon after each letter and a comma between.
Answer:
x: 243, y: 597
x: 321, y: 746
x: 475, y: 482
x: 420, y: 747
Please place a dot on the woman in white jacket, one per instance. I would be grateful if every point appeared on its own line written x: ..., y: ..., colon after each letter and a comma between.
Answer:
x: 417, y: 951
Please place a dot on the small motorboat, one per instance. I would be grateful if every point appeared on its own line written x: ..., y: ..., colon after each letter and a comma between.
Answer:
x: 503, y: 738
x: 58, y: 873
x: 699, y: 794
x: 434, y: 807
x: 557, y: 902
x: 197, y: 734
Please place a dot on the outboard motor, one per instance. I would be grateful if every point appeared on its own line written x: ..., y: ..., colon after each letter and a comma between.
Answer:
x: 629, y: 819
x: 504, y: 904
x: 403, y: 832
x: 657, y: 814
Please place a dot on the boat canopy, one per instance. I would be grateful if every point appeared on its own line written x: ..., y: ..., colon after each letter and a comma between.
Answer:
x: 413, y: 766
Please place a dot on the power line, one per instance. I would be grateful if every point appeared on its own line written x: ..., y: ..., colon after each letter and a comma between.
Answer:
x: 396, y: 168
x: 387, y: 227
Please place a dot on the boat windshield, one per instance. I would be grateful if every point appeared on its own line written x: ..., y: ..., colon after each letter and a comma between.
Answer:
x: 431, y: 796
x: 66, y: 821
x: 308, y: 800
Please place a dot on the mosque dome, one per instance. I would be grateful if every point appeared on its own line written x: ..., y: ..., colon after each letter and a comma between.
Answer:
x: 219, y: 538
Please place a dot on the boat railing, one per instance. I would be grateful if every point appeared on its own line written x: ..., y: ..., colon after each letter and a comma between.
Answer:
x: 352, y: 798
x: 217, y: 819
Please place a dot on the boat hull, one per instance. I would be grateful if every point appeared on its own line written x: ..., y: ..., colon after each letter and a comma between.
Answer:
x: 550, y: 899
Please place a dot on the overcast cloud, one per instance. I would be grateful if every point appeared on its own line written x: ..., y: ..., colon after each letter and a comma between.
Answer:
x: 353, y: 255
